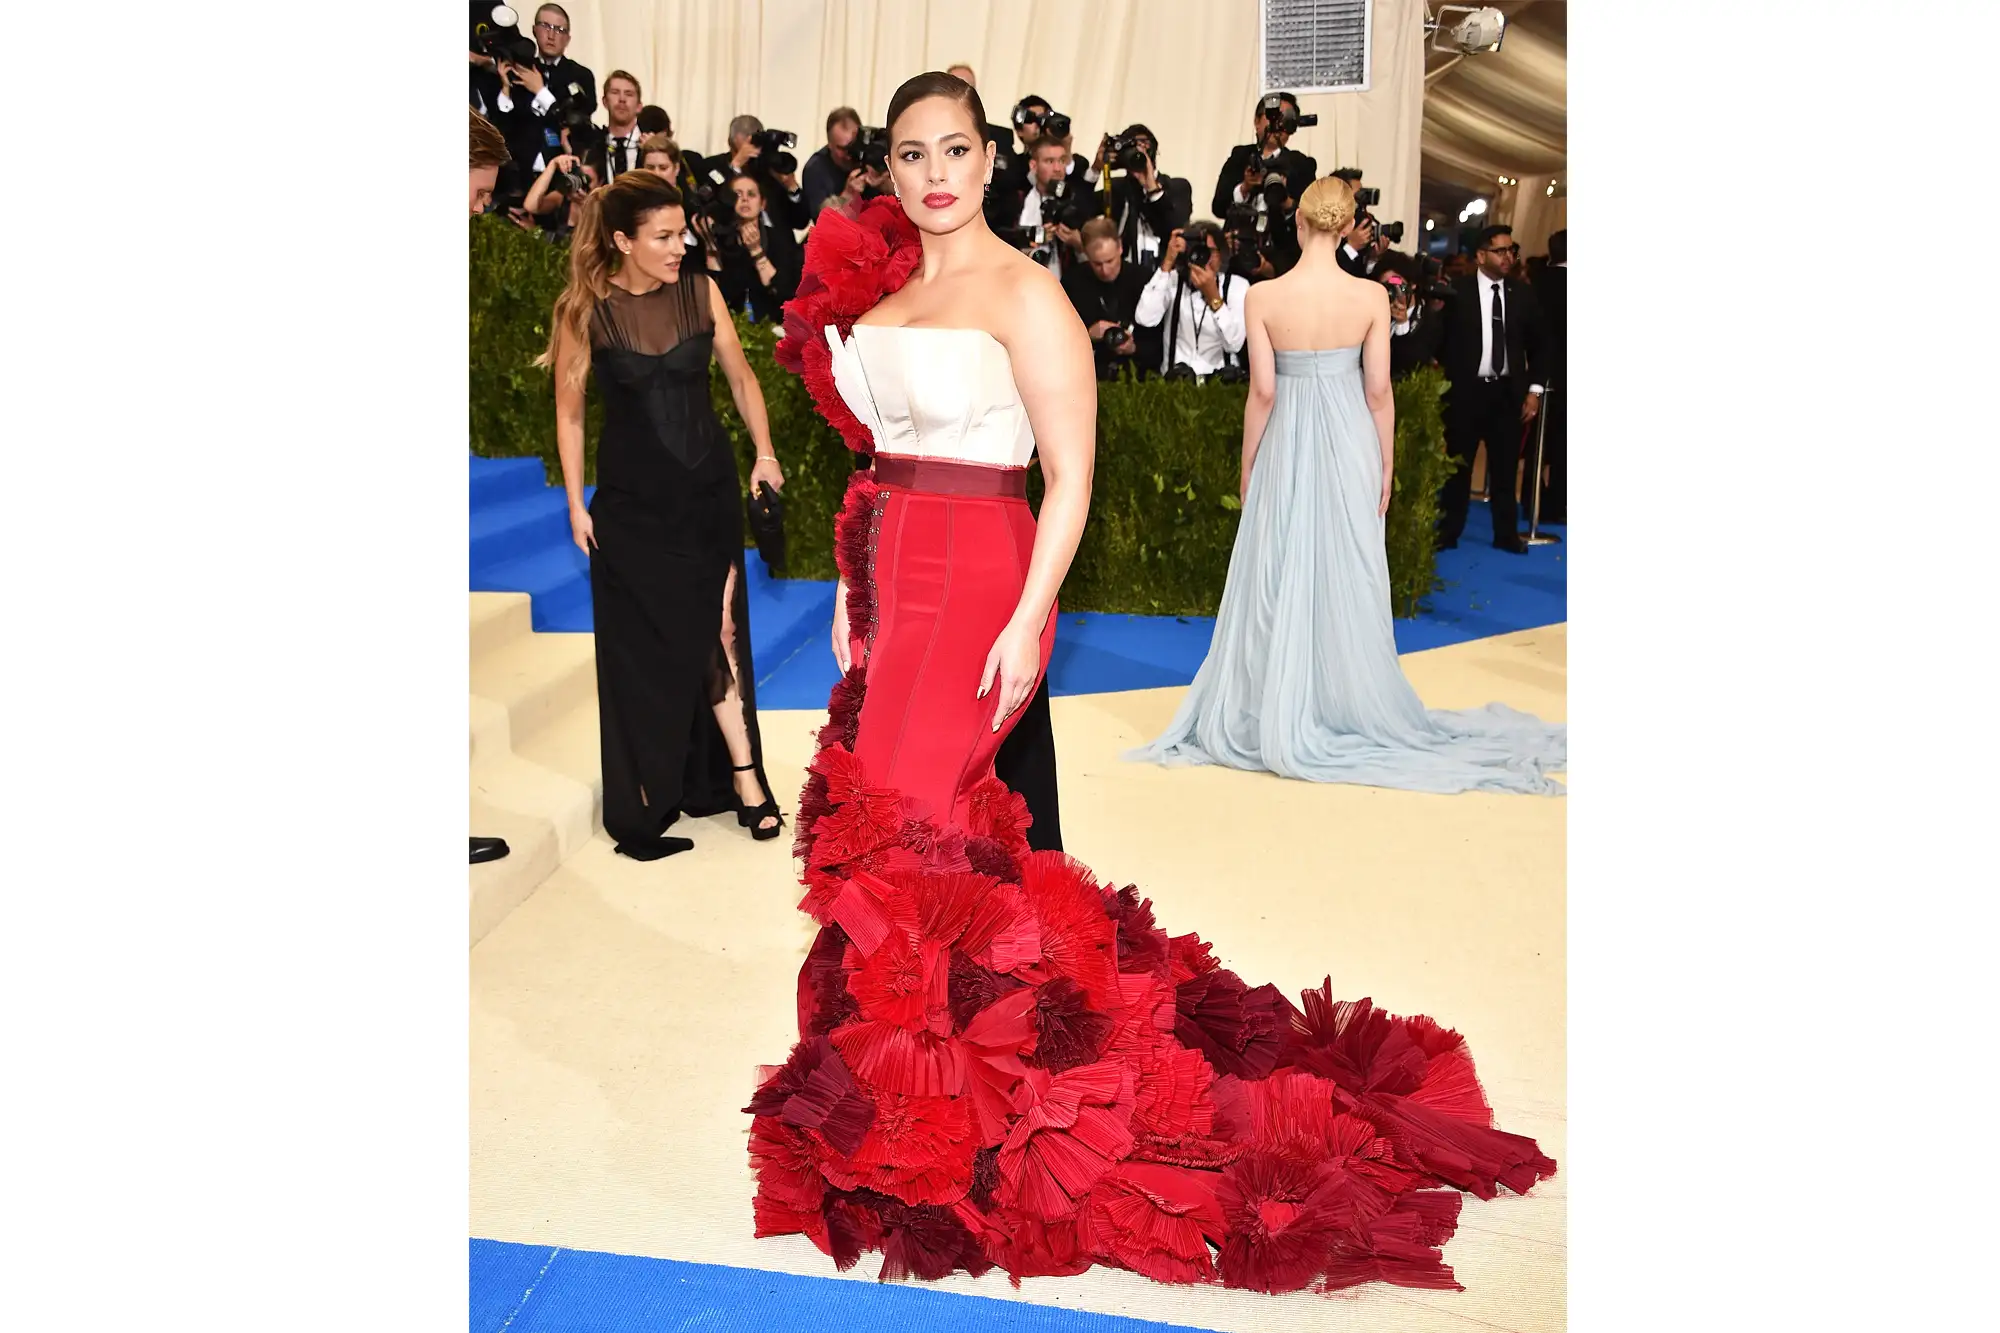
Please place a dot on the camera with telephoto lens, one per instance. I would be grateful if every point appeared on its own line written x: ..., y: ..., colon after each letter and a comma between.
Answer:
x: 573, y: 111
x: 1071, y: 208
x: 1366, y: 197
x: 1197, y: 252
x: 1244, y: 229
x: 1392, y: 232
x: 496, y: 34
x: 1279, y: 169
x: 1055, y: 125
x: 1279, y: 118
x: 1125, y: 154
x: 871, y: 147
x: 572, y: 185
x: 772, y: 145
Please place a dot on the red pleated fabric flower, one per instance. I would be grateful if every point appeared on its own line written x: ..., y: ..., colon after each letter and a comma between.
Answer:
x: 1072, y: 1127
x: 814, y: 1091
x: 918, y: 1148
x: 850, y: 264
x: 1157, y: 1220
x: 789, y: 1185
x: 1281, y: 1217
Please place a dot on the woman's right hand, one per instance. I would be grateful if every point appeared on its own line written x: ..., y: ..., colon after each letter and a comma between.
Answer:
x: 842, y: 653
x: 581, y: 530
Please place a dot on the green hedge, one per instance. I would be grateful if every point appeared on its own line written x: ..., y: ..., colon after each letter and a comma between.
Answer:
x: 1163, y: 509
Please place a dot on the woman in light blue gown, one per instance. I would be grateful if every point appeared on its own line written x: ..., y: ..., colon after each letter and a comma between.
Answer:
x: 1301, y: 678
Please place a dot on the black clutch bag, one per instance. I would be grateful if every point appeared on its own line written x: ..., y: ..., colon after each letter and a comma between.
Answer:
x: 765, y: 510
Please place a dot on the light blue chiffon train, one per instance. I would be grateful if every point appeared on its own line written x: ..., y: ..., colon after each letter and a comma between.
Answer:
x: 1301, y: 678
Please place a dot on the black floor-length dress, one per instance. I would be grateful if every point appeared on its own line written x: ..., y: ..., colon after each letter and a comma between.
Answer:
x: 668, y: 518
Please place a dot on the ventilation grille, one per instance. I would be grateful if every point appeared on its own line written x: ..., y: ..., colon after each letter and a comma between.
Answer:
x: 1316, y: 46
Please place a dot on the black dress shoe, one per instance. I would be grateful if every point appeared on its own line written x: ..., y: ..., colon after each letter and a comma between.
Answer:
x: 1514, y: 547
x: 488, y: 849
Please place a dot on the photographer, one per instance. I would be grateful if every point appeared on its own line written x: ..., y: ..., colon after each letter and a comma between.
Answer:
x: 553, y: 199
x: 1274, y: 121
x: 1200, y: 304
x: 545, y: 94
x: 615, y: 150
x: 761, y: 153
x: 1047, y: 225
x: 1147, y: 205
x: 1414, y: 329
x: 1105, y: 291
x: 754, y: 262
x: 826, y: 170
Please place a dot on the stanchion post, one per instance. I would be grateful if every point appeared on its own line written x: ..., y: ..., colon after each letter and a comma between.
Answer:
x: 1536, y: 537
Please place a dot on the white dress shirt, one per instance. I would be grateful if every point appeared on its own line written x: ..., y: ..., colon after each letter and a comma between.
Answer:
x: 613, y: 143
x: 542, y: 102
x: 1205, y: 336
x: 1487, y: 288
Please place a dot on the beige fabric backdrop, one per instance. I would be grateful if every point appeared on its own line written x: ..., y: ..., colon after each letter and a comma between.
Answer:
x: 1530, y: 210
x: 1187, y: 68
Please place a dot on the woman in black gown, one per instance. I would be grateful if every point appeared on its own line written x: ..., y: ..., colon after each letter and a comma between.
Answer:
x: 664, y: 532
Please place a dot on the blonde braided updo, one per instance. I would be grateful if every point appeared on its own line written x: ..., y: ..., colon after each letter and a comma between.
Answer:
x: 1328, y: 205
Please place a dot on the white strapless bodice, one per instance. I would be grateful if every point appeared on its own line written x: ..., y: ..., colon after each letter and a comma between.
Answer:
x: 941, y: 393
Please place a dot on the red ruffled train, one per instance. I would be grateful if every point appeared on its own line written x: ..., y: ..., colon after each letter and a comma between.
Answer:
x: 1002, y: 1061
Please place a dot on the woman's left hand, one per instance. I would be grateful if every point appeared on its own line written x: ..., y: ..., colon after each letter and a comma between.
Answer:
x: 1012, y: 667
x: 767, y: 470
x: 1388, y: 489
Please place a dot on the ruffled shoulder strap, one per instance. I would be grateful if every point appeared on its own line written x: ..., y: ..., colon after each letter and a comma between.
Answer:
x: 850, y: 265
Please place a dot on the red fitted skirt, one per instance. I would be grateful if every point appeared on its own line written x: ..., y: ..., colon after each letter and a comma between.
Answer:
x: 951, y: 544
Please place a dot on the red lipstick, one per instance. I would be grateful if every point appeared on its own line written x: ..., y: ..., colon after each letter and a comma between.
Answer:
x: 939, y: 199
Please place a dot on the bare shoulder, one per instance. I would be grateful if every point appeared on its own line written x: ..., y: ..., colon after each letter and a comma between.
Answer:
x: 1027, y: 299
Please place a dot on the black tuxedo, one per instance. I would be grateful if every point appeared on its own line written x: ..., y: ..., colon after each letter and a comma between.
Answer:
x: 1173, y: 210
x: 1488, y: 409
x: 1007, y: 196
x: 609, y: 161
x: 1118, y: 302
x: 1231, y: 176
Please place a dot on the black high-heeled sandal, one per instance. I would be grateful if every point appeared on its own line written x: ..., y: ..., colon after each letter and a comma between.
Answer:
x: 753, y: 818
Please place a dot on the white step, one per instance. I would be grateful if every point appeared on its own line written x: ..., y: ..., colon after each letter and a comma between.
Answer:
x: 537, y: 679
x: 498, y: 887
x: 498, y: 619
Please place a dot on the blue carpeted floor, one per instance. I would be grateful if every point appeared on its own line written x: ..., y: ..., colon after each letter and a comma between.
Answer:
x: 543, y: 1289
x: 520, y: 543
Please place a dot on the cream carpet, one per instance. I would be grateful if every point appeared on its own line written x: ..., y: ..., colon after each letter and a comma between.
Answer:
x: 619, y: 1013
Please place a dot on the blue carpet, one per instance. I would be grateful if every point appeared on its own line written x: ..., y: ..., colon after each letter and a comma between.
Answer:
x: 542, y: 1289
x: 520, y: 543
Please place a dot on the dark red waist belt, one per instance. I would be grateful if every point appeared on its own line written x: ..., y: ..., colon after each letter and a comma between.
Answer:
x: 936, y: 476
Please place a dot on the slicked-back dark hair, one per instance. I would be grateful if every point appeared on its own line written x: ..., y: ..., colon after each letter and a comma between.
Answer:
x: 1487, y: 235
x: 936, y: 83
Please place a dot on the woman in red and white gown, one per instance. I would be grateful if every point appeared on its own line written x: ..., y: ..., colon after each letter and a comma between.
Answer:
x: 1000, y: 1060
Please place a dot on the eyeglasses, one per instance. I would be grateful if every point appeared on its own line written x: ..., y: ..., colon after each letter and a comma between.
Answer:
x: 556, y: 28
x: 1499, y: 249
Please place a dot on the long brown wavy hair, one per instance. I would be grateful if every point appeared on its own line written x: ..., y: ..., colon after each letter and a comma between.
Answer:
x: 623, y: 206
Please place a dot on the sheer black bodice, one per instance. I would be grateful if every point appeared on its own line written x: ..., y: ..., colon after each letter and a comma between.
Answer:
x: 651, y: 354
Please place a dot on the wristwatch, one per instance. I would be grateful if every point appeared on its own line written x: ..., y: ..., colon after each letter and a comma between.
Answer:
x: 1214, y: 304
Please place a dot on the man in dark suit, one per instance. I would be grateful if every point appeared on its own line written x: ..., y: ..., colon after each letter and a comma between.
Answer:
x: 1494, y: 351
x: 535, y: 93
x: 1552, y: 294
x: 1242, y: 174
x: 1147, y: 205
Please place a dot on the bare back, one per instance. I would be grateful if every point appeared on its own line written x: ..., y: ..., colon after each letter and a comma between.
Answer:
x: 1310, y: 310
